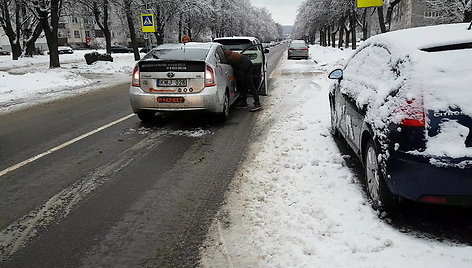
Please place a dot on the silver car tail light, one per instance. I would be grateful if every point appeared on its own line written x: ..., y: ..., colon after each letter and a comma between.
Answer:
x: 209, y: 77
x: 135, y: 82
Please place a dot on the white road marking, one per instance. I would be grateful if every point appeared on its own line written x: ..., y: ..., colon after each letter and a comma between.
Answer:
x: 57, y: 148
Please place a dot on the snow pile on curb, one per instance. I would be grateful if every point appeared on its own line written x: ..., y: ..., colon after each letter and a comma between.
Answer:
x: 29, y: 81
x: 296, y: 204
x: 32, y: 87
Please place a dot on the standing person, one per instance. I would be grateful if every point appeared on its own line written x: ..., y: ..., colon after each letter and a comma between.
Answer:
x: 243, y: 70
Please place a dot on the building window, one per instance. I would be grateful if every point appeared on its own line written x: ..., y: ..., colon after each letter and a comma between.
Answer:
x: 87, y: 34
x: 75, y: 20
x: 76, y: 34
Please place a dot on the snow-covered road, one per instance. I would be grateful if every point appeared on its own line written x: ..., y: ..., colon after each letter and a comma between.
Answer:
x: 295, y: 203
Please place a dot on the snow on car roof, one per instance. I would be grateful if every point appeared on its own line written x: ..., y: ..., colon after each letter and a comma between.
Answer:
x: 425, y: 37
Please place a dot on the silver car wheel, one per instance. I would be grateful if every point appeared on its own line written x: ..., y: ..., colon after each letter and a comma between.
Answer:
x: 372, y: 173
x: 226, y: 105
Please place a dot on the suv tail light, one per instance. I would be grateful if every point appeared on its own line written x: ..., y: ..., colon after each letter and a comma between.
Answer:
x: 135, y: 78
x: 414, y: 113
x: 209, y: 77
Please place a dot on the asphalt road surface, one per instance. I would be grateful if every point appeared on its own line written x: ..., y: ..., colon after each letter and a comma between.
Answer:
x: 83, y: 183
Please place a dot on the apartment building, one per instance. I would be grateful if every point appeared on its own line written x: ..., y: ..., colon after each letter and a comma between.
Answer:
x: 78, y: 31
x: 415, y: 13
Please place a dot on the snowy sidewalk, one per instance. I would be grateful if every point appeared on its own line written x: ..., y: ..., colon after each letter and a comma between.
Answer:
x: 294, y: 203
x: 29, y: 81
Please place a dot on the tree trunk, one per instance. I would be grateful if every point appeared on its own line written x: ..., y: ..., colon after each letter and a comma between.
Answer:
x: 29, y: 50
x: 348, y: 34
x: 321, y: 37
x: 341, y: 31
x: 353, y: 25
x: 50, y: 30
x: 333, y: 37
x: 132, y: 31
x: 388, y: 17
x: 13, y: 37
x: 180, y: 28
x: 380, y: 14
x: 468, y: 13
x: 328, y: 33
x: 365, y: 25
x: 159, y: 34
x: 102, y: 22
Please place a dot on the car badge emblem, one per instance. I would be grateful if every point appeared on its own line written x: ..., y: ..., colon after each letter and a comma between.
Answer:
x: 170, y: 75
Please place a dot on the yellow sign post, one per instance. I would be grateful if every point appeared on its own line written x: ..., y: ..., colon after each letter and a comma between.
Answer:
x: 369, y: 3
x: 147, y: 23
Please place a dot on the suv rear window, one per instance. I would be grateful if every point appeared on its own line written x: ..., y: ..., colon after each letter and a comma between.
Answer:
x: 199, y: 54
x: 235, y: 44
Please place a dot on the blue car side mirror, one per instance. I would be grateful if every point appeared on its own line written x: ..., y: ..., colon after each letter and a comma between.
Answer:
x: 336, y: 74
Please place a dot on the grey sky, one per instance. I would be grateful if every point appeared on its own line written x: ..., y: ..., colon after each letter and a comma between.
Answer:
x: 283, y: 11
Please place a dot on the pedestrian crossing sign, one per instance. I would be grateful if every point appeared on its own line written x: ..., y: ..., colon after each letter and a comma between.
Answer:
x: 369, y: 3
x: 147, y: 23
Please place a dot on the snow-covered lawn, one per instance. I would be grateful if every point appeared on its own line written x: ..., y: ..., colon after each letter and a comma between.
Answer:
x: 29, y: 80
x: 294, y: 203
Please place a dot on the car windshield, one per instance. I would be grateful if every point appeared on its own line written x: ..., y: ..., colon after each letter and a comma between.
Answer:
x: 183, y: 53
x: 236, y: 44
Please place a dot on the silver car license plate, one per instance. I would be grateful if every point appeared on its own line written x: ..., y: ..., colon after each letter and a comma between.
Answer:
x: 172, y: 82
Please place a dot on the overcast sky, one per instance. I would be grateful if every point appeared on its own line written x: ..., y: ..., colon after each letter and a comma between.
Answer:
x: 283, y: 11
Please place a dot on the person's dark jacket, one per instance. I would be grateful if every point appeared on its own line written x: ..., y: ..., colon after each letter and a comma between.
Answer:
x: 238, y: 61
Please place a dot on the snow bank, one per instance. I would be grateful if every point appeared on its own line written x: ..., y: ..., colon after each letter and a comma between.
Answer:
x: 29, y: 81
x: 294, y: 203
x: 33, y: 87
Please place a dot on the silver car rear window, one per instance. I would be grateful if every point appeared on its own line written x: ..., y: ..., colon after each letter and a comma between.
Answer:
x: 198, y: 54
x: 235, y: 44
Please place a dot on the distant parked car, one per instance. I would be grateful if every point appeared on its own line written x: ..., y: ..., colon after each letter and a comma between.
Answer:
x: 4, y: 52
x: 121, y: 49
x: 178, y: 77
x: 402, y: 103
x: 65, y: 50
x: 298, y: 49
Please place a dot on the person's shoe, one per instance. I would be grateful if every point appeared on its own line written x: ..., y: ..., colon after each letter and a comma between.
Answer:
x: 242, y: 105
x: 256, y: 107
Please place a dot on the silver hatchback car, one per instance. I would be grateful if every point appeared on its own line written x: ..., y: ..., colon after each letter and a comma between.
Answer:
x: 183, y: 77
x: 298, y: 49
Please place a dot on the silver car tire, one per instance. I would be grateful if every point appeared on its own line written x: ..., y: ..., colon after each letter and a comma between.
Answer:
x: 224, y: 115
x: 146, y: 115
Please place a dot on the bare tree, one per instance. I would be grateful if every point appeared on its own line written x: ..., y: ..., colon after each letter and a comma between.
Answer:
x: 48, y: 13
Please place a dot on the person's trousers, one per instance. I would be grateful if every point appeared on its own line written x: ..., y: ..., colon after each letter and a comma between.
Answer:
x: 245, y: 82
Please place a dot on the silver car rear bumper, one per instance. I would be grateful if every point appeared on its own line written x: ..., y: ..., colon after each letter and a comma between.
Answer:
x: 206, y: 100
